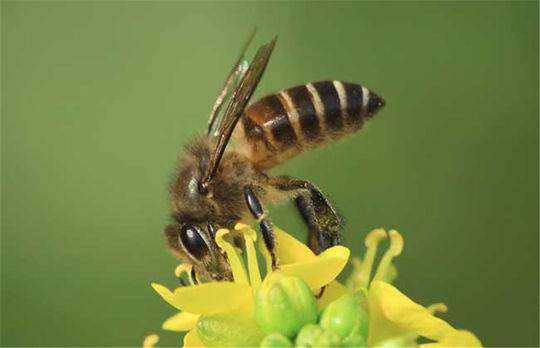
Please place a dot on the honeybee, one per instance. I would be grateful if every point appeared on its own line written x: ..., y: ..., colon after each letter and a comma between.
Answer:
x: 216, y: 185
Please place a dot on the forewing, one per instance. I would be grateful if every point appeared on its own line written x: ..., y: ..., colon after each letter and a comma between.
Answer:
x: 237, y: 104
x: 236, y: 74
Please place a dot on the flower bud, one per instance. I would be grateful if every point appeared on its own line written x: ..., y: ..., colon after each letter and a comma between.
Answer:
x: 284, y: 305
x: 307, y: 336
x: 346, y: 317
x: 354, y: 341
x: 275, y: 340
x: 227, y: 330
x: 315, y: 336
x: 407, y: 340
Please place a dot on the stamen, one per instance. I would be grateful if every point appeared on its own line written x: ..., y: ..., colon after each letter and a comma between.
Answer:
x: 437, y: 308
x: 352, y: 281
x: 396, y: 246
x: 250, y: 236
x: 235, y: 261
x: 150, y: 341
x: 372, y: 241
x: 184, y: 268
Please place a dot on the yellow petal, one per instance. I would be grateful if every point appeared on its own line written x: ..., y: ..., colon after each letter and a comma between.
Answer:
x: 394, y: 314
x: 321, y: 270
x: 183, y: 321
x: 233, y: 256
x: 291, y: 250
x: 150, y: 341
x: 191, y: 339
x: 165, y: 293
x: 207, y: 298
x: 457, y: 338
x: 332, y: 292
x: 211, y: 298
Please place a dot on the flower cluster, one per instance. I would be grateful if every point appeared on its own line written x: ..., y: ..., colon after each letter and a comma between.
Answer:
x: 301, y: 304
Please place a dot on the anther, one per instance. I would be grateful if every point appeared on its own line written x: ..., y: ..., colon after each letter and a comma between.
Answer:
x: 150, y: 341
x: 437, y: 308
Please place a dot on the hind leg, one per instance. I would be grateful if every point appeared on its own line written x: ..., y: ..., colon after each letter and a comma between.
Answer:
x: 321, y: 219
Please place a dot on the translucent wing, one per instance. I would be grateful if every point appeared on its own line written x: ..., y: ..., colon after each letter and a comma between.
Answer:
x: 236, y: 105
x: 235, y: 76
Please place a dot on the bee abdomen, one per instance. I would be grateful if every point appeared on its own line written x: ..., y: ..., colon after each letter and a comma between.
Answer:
x: 279, y: 126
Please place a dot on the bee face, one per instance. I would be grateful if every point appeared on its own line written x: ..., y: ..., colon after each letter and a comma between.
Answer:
x: 195, y: 242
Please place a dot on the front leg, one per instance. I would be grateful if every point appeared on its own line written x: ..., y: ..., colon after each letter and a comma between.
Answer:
x: 257, y: 211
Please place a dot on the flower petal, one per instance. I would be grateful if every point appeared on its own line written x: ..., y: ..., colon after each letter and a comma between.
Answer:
x: 290, y: 249
x: 332, y: 292
x: 394, y: 314
x: 321, y: 270
x: 183, y: 321
x: 457, y: 338
x: 165, y: 293
x: 207, y: 298
x: 210, y: 298
x: 191, y: 339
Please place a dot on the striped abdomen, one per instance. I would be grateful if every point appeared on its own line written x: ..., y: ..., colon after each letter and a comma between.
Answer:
x: 279, y: 126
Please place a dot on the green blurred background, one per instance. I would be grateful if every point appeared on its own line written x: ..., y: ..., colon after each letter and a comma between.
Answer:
x: 99, y: 97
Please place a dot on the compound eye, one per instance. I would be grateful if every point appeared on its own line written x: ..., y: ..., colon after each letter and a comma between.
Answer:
x: 192, y: 240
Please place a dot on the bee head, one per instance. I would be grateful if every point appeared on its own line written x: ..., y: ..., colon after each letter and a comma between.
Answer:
x: 194, y: 243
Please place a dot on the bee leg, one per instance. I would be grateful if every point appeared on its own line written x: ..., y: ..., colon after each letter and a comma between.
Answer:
x: 322, y: 220
x: 257, y: 211
x: 194, y: 277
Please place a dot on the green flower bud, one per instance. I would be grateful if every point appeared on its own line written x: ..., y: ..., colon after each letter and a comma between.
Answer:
x: 354, y: 341
x: 405, y: 341
x: 275, y: 340
x: 228, y: 330
x: 306, y: 337
x: 285, y: 305
x: 327, y: 339
x: 315, y: 336
x: 345, y: 317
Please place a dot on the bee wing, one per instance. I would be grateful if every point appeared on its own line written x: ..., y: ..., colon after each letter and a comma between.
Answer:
x: 236, y: 74
x: 238, y: 102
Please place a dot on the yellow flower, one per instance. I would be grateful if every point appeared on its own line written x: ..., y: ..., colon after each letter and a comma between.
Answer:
x: 236, y: 298
x: 392, y: 315
x: 223, y: 313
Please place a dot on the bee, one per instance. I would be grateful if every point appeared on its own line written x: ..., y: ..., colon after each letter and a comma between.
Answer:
x: 216, y: 185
